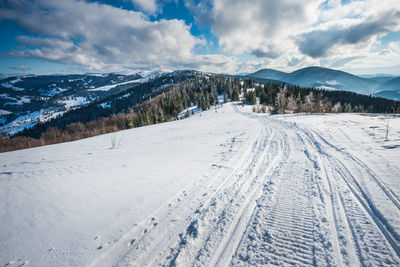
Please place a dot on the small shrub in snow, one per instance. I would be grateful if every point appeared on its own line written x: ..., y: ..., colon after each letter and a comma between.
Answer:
x: 115, y: 141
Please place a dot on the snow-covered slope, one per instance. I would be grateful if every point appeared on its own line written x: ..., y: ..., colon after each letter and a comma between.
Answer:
x: 28, y: 100
x: 223, y: 187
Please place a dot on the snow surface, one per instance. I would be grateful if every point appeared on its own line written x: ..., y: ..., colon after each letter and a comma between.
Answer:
x: 332, y: 82
x: 222, y: 187
x: 4, y: 112
x: 73, y: 102
x: 18, y: 79
x: 7, y: 96
x: 328, y: 88
x: 11, y: 85
x: 22, y: 100
x: 29, y: 120
x: 109, y: 87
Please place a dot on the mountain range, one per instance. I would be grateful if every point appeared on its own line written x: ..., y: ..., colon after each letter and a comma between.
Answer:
x: 330, y: 79
x: 26, y: 101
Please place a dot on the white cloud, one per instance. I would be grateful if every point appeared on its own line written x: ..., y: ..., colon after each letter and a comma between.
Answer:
x: 285, y: 34
x: 261, y: 28
x: 149, y: 6
x: 99, y: 36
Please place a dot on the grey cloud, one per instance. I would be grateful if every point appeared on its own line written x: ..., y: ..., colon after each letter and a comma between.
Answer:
x: 294, y: 61
x: 319, y: 42
x: 270, y: 53
x: 384, y: 52
x: 200, y: 10
x: 250, y: 26
x: 339, y: 62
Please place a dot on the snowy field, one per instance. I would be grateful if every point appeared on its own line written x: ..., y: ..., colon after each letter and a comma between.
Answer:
x: 217, y: 189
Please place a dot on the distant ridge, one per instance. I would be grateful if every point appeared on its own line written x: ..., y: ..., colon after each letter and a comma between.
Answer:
x: 330, y: 79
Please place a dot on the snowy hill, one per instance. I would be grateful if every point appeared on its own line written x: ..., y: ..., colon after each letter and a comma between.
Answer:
x: 32, y: 99
x: 223, y: 187
x: 330, y: 79
x: 28, y: 100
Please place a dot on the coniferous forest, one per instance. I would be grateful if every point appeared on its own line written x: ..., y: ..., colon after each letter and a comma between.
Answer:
x: 163, y: 99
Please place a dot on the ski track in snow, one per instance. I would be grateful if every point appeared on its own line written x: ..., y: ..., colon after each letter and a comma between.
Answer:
x: 289, y: 200
x: 281, y: 195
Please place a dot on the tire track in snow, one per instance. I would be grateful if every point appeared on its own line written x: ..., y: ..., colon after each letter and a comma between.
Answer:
x: 219, y: 224
x: 284, y: 229
x: 163, y: 238
x: 290, y: 199
x: 229, y: 245
x: 373, y: 238
x: 137, y: 245
x: 389, y: 193
x: 272, y: 236
x: 367, y: 221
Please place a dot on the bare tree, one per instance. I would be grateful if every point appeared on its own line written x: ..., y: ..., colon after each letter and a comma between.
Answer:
x: 292, y: 104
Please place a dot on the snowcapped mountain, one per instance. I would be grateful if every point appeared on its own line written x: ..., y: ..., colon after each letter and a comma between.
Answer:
x: 330, y: 79
x: 28, y: 100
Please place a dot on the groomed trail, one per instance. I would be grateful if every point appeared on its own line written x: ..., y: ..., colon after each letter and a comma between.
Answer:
x: 292, y: 198
x: 226, y: 187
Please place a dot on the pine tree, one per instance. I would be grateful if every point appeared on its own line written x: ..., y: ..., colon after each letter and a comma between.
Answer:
x: 129, y: 122
x: 225, y: 97
x: 235, y: 94
x: 276, y: 108
x: 263, y: 97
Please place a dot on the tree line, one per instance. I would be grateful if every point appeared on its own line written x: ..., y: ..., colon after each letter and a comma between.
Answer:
x: 284, y: 98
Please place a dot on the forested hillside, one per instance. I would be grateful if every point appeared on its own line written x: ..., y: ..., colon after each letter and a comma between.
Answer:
x: 163, y: 99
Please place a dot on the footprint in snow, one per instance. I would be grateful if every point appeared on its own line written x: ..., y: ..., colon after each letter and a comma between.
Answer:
x: 19, y: 262
x: 130, y: 243
x: 22, y: 263
x: 104, y: 245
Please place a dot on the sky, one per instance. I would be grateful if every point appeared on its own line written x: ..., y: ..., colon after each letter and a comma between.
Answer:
x: 222, y: 36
